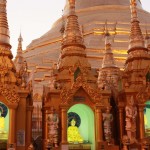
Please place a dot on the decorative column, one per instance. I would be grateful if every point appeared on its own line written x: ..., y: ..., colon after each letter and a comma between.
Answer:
x: 64, y: 124
x: 29, y: 125
x: 99, y: 121
x: 141, y: 120
x: 45, y: 126
x: 121, y: 120
x: 12, y: 125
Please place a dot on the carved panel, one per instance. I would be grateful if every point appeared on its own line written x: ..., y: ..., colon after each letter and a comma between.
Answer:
x: 9, y: 93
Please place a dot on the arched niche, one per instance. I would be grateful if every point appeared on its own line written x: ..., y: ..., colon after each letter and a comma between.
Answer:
x: 87, y: 126
x: 4, y: 121
x: 147, y: 118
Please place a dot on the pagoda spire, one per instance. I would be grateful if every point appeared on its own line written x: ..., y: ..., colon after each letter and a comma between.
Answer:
x: 109, y: 73
x: 7, y: 68
x: 4, y: 31
x: 72, y: 43
x: 108, y: 59
x: 72, y: 33
x: 138, y: 59
x: 73, y: 63
x: 19, y: 60
x: 20, y: 39
x: 136, y: 37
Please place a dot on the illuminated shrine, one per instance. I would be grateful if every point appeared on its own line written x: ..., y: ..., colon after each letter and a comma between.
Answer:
x: 98, y: 109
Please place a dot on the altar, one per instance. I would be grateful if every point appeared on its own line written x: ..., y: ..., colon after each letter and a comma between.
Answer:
x: 3, y: 136
x: 80, y: 146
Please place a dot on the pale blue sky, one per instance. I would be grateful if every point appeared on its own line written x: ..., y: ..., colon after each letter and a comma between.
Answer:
x: 35, y: 17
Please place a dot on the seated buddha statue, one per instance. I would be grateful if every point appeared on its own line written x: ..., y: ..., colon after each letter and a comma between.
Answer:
x: 73, y: 133
x: 2, y: 120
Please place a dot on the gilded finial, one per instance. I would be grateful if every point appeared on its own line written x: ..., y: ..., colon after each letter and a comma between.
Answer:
x: 20, y: 39
x: 3, y: 2
x: 63, y: 24
x: 72, y: 6
x: 109, y: 38
x: 133, y: 8
x: 108, y: 59
x: 72, y: 2
x: 106, y: 34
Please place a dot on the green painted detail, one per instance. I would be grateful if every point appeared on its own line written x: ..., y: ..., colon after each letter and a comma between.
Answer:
x: 147, y: 116
x: 4, y: 133
x: 76, y: 73
x: 148, y: 77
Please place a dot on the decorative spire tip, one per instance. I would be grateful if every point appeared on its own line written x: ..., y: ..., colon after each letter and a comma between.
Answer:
x: 133, y: 8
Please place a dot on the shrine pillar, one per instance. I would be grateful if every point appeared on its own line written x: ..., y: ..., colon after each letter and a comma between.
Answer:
x: 12, y: 124
x: 45, y: 126
x: 64, y: 124
x: 98, y: 123
x: 141, y: 120
x: 29, y: 125
x: 121, y: 120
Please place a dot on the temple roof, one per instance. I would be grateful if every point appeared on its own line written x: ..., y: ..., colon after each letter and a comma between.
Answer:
x: 81, y: 4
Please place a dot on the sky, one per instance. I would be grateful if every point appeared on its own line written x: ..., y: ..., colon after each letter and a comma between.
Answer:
x: 33, y: 18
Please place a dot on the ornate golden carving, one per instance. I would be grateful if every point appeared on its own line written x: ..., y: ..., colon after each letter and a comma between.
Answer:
x: 9, y: 93
x: 37, y: 97
x: 83, y: 69
x: 142, y: 95
x: 67, y: 94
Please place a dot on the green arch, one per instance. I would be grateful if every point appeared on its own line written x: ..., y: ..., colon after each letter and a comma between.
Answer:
x: 4, y: 133
x: 147, y: 118
x: 87, y: 127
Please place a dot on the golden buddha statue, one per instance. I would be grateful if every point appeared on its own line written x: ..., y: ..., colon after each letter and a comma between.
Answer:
x: 2, y: 120
x: 73, y: 133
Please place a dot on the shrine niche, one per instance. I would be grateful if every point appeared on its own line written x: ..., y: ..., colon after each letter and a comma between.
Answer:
x: 81, y: 124
x: 147, y: 118
x: 4, y: 121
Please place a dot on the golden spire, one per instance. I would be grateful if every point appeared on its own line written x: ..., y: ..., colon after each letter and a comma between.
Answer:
x: 73, y: 54
x: 7, y: 68
x: 109, y: 73
x: 19, y: 60
x: 20, y: 39
x: 108, y: 59
x: 72, y: 34
x: 136, y: 37
x: 4, y: 32
x: 72, y: 43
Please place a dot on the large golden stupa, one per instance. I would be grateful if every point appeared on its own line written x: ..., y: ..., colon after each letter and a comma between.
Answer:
x: 93, y: 15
